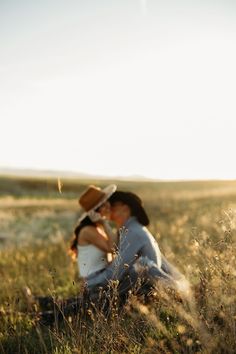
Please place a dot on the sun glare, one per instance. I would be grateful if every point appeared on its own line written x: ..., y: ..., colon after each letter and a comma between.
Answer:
x: 150, y: 95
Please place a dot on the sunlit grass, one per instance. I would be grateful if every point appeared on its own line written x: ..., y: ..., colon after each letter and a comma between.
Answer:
x: 195, y: 228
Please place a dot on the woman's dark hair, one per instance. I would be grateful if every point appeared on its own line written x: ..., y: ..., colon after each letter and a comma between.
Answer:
x: 85, y: 222
x: 134, y: 203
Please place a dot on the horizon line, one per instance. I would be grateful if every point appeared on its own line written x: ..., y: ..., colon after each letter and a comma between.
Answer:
x: 27, y: 172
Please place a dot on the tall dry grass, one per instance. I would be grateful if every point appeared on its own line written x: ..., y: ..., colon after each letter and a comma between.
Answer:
x: 196, y: 233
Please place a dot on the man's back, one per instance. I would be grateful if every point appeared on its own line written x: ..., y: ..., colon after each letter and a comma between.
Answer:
x: 147, y: 244
x: 135, y: 241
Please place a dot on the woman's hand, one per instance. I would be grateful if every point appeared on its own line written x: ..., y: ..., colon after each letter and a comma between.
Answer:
x: 95, y: 216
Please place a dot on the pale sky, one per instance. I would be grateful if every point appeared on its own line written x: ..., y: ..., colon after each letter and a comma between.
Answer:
x: 121, y: 87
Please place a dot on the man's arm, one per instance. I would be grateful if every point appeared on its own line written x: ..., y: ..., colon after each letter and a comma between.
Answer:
x: 130, y: 245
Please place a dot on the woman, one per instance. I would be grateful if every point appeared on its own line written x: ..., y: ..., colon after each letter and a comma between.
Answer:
x: 94, y: 241
x: 93, y: 245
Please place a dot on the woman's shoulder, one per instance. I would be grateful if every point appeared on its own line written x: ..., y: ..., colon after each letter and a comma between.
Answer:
x: 88, y: 229
x: 87, y: 233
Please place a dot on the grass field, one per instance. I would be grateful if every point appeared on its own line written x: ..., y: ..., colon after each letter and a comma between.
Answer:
x: 195, y: 225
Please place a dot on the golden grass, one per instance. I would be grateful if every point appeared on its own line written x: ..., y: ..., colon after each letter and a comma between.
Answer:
x: 195, y: 226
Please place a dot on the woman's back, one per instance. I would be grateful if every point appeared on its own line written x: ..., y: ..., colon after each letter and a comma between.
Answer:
x: 90, y: 259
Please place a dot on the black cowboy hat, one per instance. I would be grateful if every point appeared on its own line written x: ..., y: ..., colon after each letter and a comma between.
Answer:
x: 134, y: 203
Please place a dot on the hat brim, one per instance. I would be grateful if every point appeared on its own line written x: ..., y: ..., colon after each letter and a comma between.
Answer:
x: 108, y: 191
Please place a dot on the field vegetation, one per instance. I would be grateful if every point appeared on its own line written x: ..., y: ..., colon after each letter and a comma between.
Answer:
x: 195, y: 226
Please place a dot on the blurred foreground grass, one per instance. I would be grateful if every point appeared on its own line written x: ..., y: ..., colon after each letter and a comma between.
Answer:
x: 194, y: 223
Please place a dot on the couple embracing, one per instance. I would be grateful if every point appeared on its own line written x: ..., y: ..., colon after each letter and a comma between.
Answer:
x: 104, y: 255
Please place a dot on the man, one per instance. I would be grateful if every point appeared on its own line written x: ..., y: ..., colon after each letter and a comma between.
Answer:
x: 137, y: 249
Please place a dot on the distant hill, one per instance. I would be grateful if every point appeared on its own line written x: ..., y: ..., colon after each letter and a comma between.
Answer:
x: 25, y: 172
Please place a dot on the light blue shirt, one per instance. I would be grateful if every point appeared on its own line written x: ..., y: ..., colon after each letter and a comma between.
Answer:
x: 135, y: 242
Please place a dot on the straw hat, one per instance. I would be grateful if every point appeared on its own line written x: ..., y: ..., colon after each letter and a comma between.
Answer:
x: 93, y: 198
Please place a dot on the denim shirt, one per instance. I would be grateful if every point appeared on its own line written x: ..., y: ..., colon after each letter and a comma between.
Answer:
x: 135, y: 241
